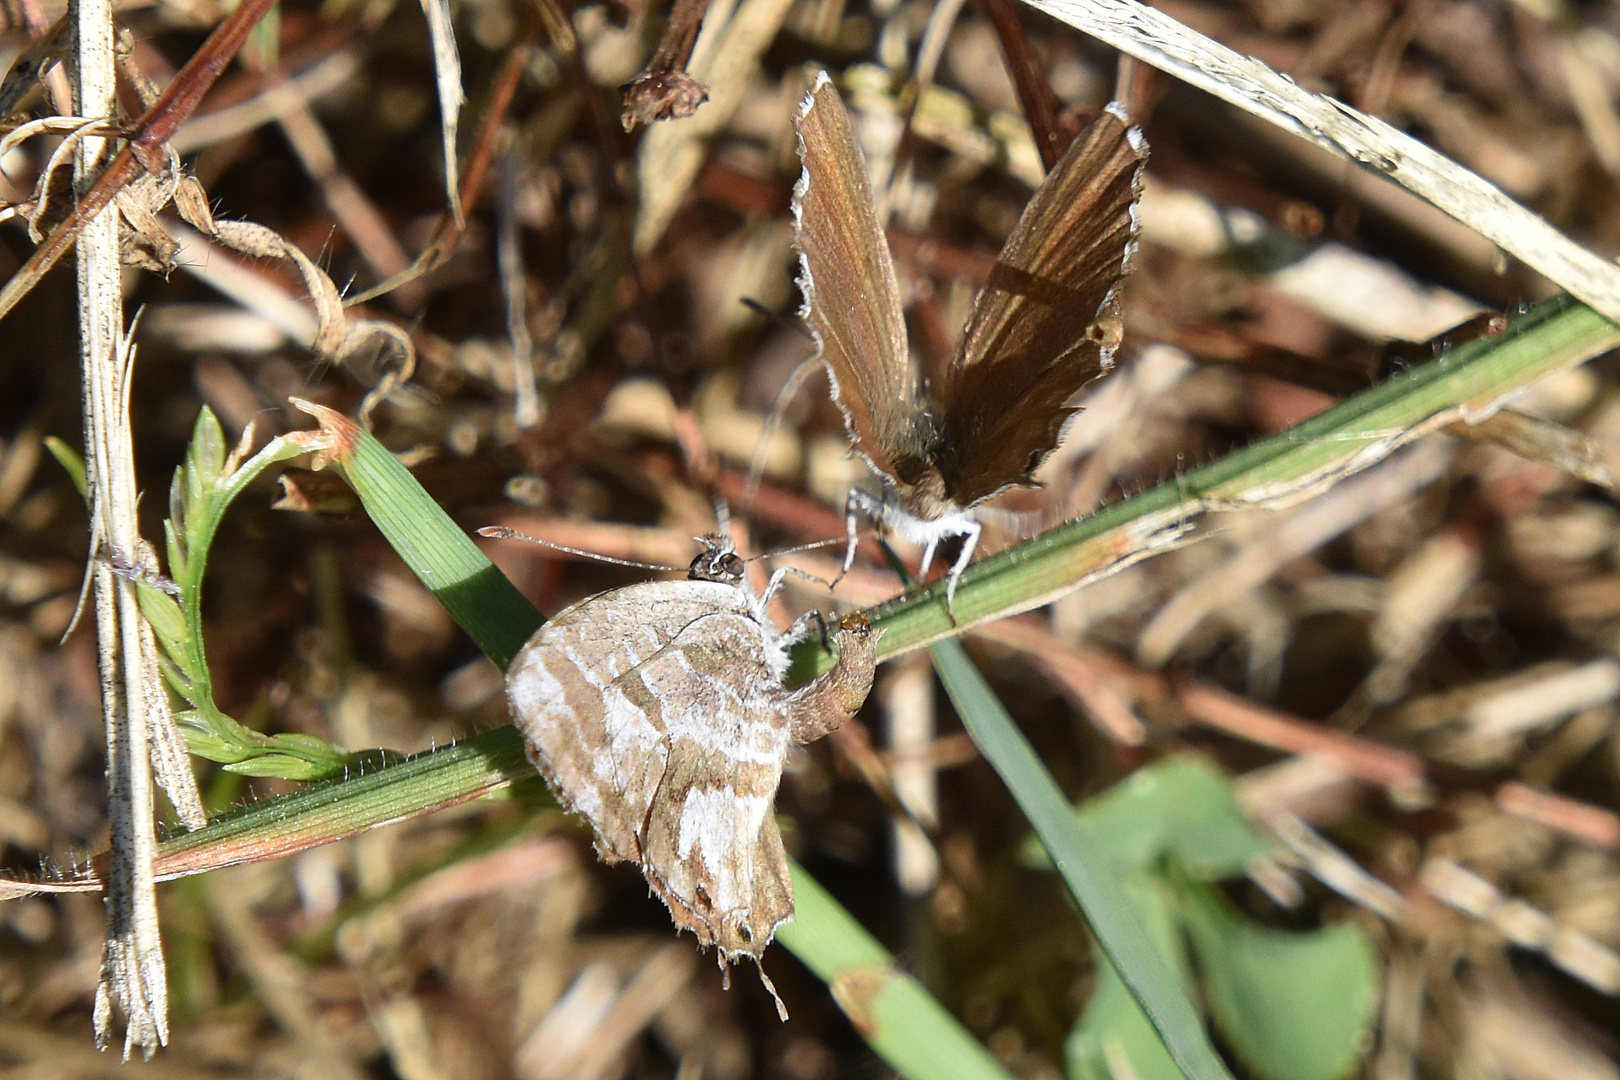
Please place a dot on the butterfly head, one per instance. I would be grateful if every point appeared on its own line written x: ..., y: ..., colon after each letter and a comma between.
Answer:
x: 718, y: 561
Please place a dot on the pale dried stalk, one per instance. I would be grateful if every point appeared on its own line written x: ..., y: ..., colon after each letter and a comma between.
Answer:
x: 447, y: 76
x: 514, y: 292
x: 132, y: 968
x: 1157, y: 39
x: 908, y: 704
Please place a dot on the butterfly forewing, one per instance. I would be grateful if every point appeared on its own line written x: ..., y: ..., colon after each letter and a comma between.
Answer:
x: 851, y: 300
x: 1047, y: 320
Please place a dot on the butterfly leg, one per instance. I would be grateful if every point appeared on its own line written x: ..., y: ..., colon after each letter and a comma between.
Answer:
x: 859, y: 504
x: 970, y: 541
x: 771, y: 586
x: 927, y: 557
x: 801, y: 629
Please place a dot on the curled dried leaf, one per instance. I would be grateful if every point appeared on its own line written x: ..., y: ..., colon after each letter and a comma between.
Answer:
x: 664, y: 90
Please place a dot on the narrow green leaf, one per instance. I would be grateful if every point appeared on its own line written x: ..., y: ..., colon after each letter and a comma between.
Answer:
x: 208, y: 450
x: 194, y: 506
x: 308, y: 746
x: 1113, y: 1037
x: 179, y: 564
x: 72, y: 463
x: 1294, y: 1006
x: 177, y: 502
x: 163, y: 612
x: 203, y: 741
x: 199, y: 496
x: 897, y: 1017
x: 176, y: 680
x: 281, y: 766
x: 1082, y: 862
x: 477, y: 595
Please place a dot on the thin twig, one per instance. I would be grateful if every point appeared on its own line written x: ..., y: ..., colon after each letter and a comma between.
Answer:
x: 147, y: 147
x: 664, y: 90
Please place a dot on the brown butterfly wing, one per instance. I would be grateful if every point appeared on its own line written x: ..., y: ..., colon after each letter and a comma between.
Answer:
x: 1048, y: 320
x: 846, y: 274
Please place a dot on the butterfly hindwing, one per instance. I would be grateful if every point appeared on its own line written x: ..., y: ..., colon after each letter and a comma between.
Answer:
x: 713, y: 851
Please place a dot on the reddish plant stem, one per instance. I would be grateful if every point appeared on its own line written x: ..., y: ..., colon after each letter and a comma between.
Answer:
x: 448, y: 234
x: 1041, y: 105
x: 146, y: 148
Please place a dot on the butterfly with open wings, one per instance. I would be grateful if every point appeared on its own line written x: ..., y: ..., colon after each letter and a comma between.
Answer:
x: 1046, y: 323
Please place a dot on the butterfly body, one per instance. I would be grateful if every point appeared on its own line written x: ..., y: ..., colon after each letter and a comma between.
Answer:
x: 1046, y: 322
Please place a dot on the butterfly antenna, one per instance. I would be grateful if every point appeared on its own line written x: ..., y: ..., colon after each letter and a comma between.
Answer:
x: 722, y: 515
x: 784, y: 397
x: 501, y: 532
x: 813, y: 545
x: 777, y: 317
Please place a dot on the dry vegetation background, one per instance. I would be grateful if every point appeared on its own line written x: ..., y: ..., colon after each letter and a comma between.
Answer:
x: 1461, y: 605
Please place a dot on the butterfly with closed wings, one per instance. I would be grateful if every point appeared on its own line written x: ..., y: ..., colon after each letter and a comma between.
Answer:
x: 657, y: 713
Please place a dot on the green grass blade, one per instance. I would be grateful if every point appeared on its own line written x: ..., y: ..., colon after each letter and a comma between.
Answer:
x: 1305, y: 459
x: 72, y: 463
x: 478, y: 596
x: 1083, y: 864
x: 898, y: 1018
x: 365, y: 798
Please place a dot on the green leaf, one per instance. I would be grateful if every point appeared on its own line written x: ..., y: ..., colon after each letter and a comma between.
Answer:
x: 198, y: 499
x: 207, y: 452
x: 1180, y: 811
x: 894, y: 1014
x: 281, y: 766
x: 163, y: 612
x: 203, y: 741
x: 1294, y: 1006
x: 72, y: 463
x: 179, y: 563
x: 1113, y: 1037
x: 176, y: 522
x: 176, y: 680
